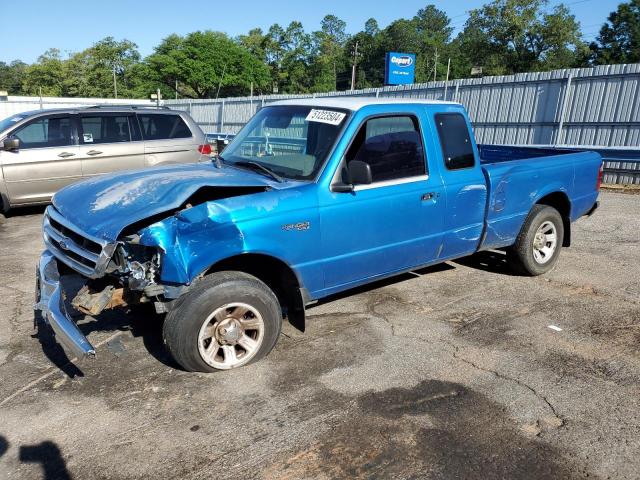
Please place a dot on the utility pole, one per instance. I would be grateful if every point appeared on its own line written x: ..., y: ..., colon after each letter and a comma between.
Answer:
x: 115, y: 83
x: 435, y: 65
x: 446, y: 83
x: 176, y: 88
x: 158, y: 98
x: 224, y: 69
x: 353, y: 68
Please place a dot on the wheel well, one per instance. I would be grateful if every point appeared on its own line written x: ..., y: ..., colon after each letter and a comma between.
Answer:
x: 277, y: 275
x: 561, y: 203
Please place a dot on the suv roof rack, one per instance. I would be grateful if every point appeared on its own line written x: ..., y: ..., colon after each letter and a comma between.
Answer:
x: 132, y: 106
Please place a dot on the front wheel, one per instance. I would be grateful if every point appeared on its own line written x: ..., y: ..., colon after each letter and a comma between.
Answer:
x: 227, y: 320
x: 538, y: 245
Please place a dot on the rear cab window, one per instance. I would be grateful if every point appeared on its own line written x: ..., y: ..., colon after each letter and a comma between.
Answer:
x: 455, y: 141
x: 392, y: 146
x: 159, y: 126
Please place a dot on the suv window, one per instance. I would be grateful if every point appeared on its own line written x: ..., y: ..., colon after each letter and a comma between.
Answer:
x: 455, y: 141
x: 162, y: 126
x: 45, y: 132
x: 105, y: 129
x: 392, y: 146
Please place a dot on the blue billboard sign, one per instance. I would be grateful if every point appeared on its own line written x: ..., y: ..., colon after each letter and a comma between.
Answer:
x: 400, y: 68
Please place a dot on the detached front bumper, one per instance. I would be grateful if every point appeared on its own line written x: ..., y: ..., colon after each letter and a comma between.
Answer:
x: 50, y: 301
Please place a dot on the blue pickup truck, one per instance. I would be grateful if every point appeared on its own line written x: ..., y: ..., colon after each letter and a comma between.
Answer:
x: 313, y: 197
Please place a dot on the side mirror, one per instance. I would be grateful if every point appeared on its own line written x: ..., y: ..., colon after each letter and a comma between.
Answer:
x: 357, y: 173
x: 11, y: 144
x: 360, y: 173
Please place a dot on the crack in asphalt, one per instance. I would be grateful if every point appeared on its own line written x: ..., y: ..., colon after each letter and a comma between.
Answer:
x: 455, y: 349
x: 455, y: 354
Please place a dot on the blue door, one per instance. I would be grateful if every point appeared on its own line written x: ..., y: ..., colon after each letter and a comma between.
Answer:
x: 392, y: 224
x: 465, y: 186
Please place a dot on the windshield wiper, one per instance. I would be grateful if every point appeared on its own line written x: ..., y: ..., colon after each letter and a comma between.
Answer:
x: 258, y: 166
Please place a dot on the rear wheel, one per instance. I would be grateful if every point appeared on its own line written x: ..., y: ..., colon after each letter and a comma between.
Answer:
x: 227, y: 320
x: 539, y: 242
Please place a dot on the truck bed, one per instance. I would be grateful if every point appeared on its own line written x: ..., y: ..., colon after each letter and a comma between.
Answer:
x: 515, y: 174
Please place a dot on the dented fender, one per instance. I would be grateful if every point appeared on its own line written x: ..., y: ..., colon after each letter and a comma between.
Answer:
x: 196, y: 238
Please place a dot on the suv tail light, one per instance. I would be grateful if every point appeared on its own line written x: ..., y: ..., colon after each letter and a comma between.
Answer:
x: 600, y: 176
x: 205, y: 149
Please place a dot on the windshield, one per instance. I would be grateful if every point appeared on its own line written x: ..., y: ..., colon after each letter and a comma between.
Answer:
x: 291, y: 141
x: 10, y: 122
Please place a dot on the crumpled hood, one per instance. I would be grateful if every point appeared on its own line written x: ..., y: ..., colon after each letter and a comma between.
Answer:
x: 105, y: 205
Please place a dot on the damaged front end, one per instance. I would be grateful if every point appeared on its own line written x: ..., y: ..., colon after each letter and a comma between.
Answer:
x: 144, y: 265
x: 114, y: 275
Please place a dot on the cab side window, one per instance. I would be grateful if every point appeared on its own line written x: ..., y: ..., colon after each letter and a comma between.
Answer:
x: 45, y: 132
x: 455, y: 141
x: 392, y: 146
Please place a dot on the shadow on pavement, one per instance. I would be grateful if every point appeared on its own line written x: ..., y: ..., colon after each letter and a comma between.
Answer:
x: 25, y: 211
x: 488, y: 261
x: 52, y: 350
x: 49, y: 456
x: 46, y: 453
x: 4, y: 445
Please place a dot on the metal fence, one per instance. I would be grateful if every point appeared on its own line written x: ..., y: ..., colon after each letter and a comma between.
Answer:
x: 583, y: 107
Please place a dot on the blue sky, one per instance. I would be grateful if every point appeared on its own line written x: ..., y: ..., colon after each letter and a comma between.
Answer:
x: 32, y: 26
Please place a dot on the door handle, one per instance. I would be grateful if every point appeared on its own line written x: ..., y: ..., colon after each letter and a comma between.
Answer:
x: 94, y: 152
x: 66, y: 154
x: 429, y: 196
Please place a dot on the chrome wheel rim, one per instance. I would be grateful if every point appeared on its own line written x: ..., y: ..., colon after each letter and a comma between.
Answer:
x: 545, y: 242
x: 231, y: 336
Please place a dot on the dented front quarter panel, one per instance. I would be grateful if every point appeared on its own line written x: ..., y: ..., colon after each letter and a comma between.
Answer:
x: 194, y: 239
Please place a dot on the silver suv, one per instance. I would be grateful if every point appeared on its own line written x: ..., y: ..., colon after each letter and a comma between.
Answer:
x: 45, y: 150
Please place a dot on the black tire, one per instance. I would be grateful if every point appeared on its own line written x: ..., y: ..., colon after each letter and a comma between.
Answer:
x: 521, y: 255
x: 188, y: 314
x: 4, y: 211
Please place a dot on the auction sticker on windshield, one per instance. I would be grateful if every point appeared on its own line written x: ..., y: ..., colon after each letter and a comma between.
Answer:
x: 326, y: 116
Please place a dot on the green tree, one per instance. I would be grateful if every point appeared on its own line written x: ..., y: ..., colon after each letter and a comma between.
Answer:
x: 90, y: 73
x: 11, y: 76
x: 619, y: 38
x: 328, y: 54
x: 107, y: 57
x: 254, y: 42
x: 510, y: 36
x: 427, y: 34
x: 296, y: 59
x: 205, y: 65
x: 370, y: 61
x: 46, y: 76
